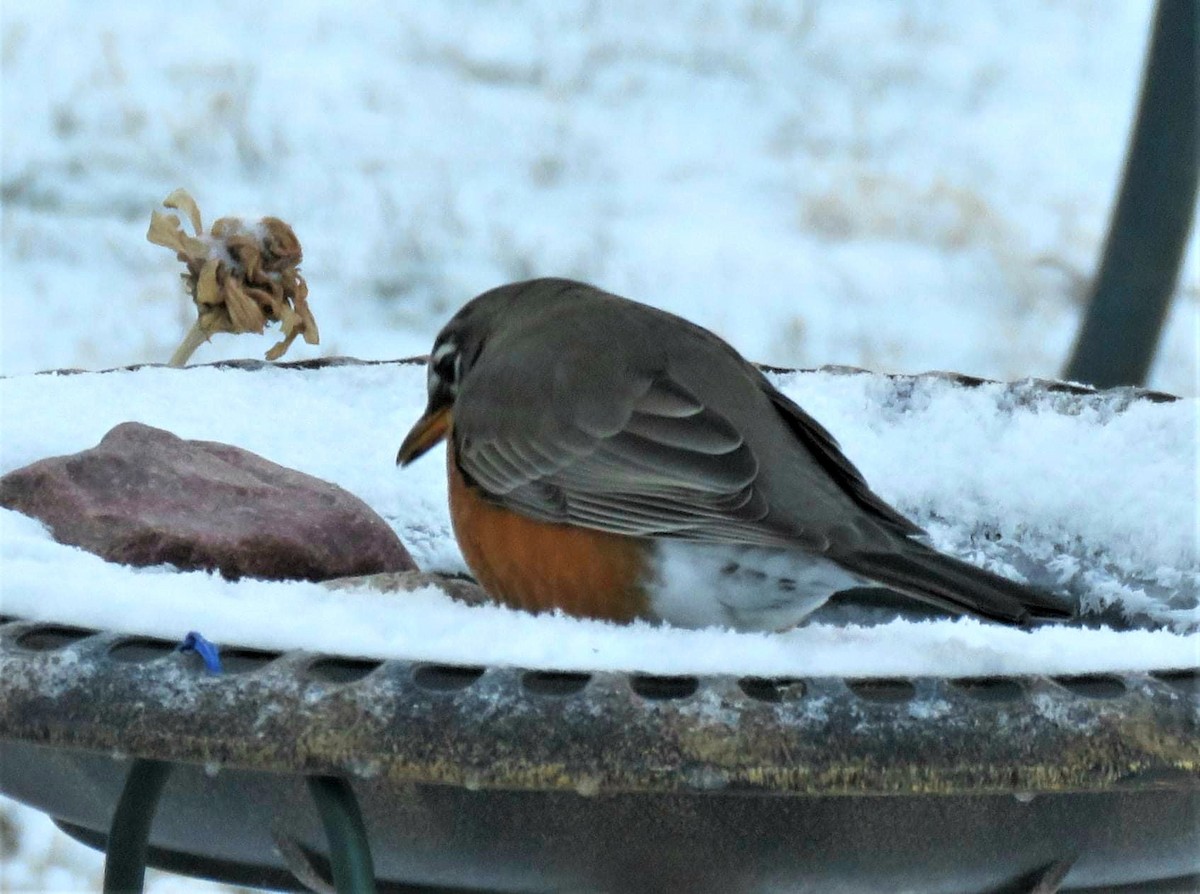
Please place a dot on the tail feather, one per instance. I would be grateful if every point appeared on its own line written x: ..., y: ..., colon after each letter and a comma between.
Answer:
x: 923, y: 573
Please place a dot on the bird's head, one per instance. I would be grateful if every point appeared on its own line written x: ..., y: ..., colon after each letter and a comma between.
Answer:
x: 459, y: 345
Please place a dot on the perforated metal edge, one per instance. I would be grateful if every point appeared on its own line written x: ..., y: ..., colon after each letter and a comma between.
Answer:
x: 513, y: 728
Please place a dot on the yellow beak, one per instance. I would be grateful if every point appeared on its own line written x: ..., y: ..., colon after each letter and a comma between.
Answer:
x: 429, y: 430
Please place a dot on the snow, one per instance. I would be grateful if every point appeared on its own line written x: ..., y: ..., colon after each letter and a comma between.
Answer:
x: 990, y: 470
x: 897, y: 186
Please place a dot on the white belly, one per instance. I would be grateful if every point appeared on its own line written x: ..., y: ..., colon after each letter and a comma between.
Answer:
x: 743, y: 587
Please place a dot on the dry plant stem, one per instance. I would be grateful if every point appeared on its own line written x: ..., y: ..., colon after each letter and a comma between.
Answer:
x: 196, y: 336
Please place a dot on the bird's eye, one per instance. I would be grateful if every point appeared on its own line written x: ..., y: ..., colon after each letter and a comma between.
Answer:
x: 445, y: 366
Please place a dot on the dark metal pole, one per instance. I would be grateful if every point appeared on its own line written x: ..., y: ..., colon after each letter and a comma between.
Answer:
x: 1149, y: 229
x: 349, y: 850
x: 129, y: 834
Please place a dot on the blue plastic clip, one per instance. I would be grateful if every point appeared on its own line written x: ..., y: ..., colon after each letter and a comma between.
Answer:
x: 210, y: 652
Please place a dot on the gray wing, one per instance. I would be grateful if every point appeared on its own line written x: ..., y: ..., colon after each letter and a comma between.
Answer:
x: 652, y: 461
x: 823, y: 448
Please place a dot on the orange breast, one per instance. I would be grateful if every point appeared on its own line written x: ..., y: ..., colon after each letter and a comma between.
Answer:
x: 540, y: 566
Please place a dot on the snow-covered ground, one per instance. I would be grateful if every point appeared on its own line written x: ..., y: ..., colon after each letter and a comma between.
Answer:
x: 902, y: 186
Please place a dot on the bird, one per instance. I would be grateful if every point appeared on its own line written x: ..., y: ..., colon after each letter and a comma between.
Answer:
x: 611, y: 460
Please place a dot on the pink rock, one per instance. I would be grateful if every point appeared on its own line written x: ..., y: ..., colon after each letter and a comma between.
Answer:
x: 144, y: 496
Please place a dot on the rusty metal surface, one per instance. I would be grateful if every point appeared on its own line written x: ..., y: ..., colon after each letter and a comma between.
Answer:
x: 503, y: 728
x: 503, y: 779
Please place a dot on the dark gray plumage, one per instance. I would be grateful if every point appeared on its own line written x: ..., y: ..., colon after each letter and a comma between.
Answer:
x: 574, y: 405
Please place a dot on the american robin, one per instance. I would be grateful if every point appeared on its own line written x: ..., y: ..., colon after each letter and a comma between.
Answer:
x: 615, y: 461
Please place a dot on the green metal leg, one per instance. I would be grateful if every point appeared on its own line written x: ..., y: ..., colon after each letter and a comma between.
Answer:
x: 1147, y: 238
x: 129, y: 834
x: 349, y: 851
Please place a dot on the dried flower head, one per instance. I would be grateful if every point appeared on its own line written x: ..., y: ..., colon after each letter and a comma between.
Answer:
x: 240, y: 275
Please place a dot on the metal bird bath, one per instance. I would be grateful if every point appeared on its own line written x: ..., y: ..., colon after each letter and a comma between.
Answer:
x: 500, y: 779
x: 507, y: 780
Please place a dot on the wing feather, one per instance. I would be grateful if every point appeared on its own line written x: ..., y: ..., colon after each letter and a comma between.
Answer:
x: 675, y: 468
x: 703, y: 432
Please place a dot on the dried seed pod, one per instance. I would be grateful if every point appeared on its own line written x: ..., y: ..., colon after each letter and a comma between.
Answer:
x: 240, y: 275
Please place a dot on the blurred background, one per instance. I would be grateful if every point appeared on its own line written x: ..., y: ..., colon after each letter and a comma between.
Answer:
x: 900, y: 186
